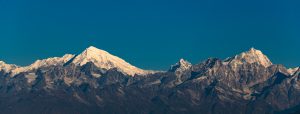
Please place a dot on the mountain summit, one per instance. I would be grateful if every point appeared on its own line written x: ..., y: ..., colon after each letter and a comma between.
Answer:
x: 7, y: 67
x: 251, y: 56
x: 181, y: 65
x: 98, y: 57
x: 105, y: 60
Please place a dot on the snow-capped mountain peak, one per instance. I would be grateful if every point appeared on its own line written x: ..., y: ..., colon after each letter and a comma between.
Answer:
x: 180, y: 66
x: 251, y: 56
x: 43, y: 63
x: 7, y: 67
x: 100, y: 58
x: 184, y: 64
x: 51, y: 61
x: 91, y: 53
x: 105, y: 60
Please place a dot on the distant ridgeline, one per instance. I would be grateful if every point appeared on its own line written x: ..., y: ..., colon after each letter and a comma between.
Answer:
x: 95, y: 82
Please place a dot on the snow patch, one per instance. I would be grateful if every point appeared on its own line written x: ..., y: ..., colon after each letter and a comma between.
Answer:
x: 31, y: 77
x: 96, y: 75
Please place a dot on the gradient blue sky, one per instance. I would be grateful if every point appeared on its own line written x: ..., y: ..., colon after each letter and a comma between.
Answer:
x: 151, y: 34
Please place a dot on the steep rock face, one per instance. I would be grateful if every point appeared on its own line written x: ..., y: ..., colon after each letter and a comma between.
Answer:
x: 291, y: 71
x: 277, y: 94
x: 182, y: 71
x: 180, y: 66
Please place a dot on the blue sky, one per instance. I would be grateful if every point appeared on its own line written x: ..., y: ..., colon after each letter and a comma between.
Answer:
x: 151, y: 34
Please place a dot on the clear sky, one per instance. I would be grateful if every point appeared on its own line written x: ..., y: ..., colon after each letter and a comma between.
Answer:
x: 151, y: 34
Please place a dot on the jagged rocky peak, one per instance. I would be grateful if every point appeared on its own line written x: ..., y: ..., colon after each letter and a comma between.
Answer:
x: 212, y: 61
x: 7, y: 67
x: 297, y: 72
x: 181, y: 65
x: 52, y: 61
x: 105, y: 60
x: 292, y: 71
x: 251, y: 56
x: 43, y: 63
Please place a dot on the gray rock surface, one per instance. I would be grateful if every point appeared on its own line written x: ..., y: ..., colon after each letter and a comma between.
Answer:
x: 212, y: 87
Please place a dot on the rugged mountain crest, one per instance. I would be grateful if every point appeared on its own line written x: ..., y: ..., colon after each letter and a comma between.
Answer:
x: 251, y: 56
x: 181, y: 65
x: 105, y: 60
x: 43, y: 63
x: 97, y: 82
x: 100, y: 58
x: 7, y: 67
x: 293, y: 70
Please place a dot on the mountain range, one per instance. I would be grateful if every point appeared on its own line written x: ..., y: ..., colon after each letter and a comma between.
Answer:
x: 96, y: 81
